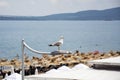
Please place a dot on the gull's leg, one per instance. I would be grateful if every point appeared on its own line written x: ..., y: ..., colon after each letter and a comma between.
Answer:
x: 58, y: 48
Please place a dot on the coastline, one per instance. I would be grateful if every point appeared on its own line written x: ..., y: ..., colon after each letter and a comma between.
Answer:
x: 48, y: 62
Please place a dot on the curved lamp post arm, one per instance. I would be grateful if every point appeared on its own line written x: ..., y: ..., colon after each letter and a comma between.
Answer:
x: 24, y: 45
x: 33, y: 50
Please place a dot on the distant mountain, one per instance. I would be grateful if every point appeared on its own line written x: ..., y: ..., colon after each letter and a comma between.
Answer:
x: 108, y: 14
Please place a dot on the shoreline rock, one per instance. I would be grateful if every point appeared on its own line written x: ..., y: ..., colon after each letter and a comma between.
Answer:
x: 47, y: 62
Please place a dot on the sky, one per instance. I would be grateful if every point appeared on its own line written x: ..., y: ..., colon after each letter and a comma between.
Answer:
x: 48, y: 7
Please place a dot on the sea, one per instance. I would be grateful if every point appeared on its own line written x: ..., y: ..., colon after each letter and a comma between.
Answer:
x: 85, y: 36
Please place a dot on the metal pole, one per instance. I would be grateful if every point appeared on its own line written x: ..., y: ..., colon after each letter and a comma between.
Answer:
x: 23, y: 59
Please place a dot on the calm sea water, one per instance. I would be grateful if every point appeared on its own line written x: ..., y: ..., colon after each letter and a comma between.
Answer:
x: 84, y: 36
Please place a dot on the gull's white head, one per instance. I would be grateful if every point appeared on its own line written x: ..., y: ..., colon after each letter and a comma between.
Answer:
x: 61, y: 37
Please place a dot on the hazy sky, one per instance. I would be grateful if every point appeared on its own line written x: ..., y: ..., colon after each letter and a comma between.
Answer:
x: 46, y: 7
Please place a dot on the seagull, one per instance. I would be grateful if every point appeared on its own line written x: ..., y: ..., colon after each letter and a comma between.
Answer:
x: 58, y: 43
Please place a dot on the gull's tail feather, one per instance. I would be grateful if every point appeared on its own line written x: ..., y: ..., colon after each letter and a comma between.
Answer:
x: 50, y: 45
